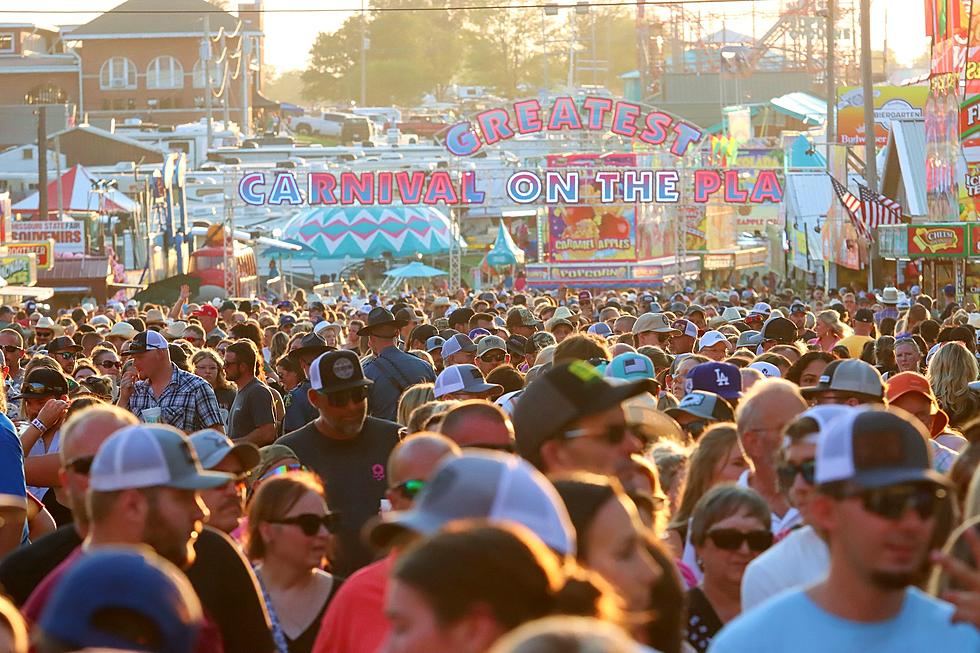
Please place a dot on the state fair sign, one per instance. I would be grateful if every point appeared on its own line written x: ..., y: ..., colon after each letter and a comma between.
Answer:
x: 68, y: 235
x: 627, y: 120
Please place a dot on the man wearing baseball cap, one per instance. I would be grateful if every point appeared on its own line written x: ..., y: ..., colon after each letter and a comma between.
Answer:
x: 849, y: 381
x: 521, y: 321
x: 911, y: 392
x: 346, y: 448
x: 458, y: 350
x: 465, y: 382
x: 700, y: 409
x: 778, y: 331
x: 491, y: 353
x: 714, y: 345
x: 863, y: 324
x: 683, y: 341
x: 571, y: 419
x: 225, y: 503
x: 877, y: 503
x: 208, y: 316
x: 179, y: 398
x: 653, y: 329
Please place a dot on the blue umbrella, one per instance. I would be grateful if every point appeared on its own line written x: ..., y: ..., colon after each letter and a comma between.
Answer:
x: 415, y: 270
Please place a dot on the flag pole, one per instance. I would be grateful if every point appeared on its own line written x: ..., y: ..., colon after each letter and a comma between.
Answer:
x: 870, y: 164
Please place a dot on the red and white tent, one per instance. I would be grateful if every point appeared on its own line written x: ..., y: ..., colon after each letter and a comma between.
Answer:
x: 76, y: 195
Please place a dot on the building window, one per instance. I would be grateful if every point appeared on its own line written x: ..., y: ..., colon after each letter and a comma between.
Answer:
x: 6, y: 42
x: 216, y: 74
x: 47, y: 94
x: 165, y: 72
x: 117, y: 73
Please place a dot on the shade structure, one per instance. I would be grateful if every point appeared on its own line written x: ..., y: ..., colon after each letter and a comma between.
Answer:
x: 76, y: 196
x: 370, y: 231
x: 505, y: 251
x: 415, y: 270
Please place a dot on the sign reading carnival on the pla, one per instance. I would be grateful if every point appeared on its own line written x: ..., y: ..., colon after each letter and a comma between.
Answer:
x: 552, y: 187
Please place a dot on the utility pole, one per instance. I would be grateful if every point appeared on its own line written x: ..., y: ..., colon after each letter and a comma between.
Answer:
x: 206, y: 60
x: 246, y: 62
x: 870, y: 169
x: 830, y: 75
x: 364, y: 48
x: 42, y: 159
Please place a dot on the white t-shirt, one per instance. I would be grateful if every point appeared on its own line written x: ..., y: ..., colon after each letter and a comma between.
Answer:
x: 792, y: 623
x: 798, y: 561
x: 782, y: 524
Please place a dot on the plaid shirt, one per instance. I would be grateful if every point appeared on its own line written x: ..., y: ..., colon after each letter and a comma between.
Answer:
x: 188, y: 402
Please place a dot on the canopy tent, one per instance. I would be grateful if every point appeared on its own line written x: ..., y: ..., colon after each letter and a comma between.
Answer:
x: 415, y: 270
x: 504, y: 251
x: 77, y: 196
x: 337, y: 232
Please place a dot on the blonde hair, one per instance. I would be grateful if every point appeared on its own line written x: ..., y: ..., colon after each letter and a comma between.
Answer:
x: 712, y: 449
x: 412, y: 398
x: 950, y: 371
x: 831, y: 318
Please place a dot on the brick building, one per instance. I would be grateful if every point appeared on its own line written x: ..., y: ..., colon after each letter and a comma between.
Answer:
x: 35, y: 65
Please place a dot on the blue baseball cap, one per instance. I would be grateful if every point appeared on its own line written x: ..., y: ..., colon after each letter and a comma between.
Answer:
x: 723, y: 379
x: 600, y: 329
x: 630, y: 366
x: 124, y: 581
x: 477, y: 332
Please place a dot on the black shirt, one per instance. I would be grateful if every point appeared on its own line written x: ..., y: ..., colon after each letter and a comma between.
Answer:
x: 353, y: 473
x: 254, y: 406
x: 702, y: 620
x: 23, y: 569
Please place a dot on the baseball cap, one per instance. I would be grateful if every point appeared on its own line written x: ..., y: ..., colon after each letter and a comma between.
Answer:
x: 874, y: 446
x: 213, y: 446
x: 207, y: 310
x: 585, y: 296
x: 122, y: 330
x: 780, y: 329
x: 539, y: 341
x: 150, y: 455
x: 422, y: 333
x: 905, y: 382
x: 45, y: 322
x: 694, y: 308
x: 335, y: 371
x: 706, y: 405
x: 685, y: 327
x: 516, y: 345
x: 461, y: 315
x: 600, y: 329
x: 656, y: 322
x: 848, y: 375
x: 286, y: 319
x: 630, y: 366
x: 521, y: 316
x: 749, y: 338
x: 123, y: 581
x: 563, y: 394
x: 864, y: 315
x: 477, y: 332
x: 797, y: 307
x: 761, y: 308
x: 490, y: 343
x: 43, y: 382
x: 463, y: 378
x: 145, y: 341
x: 457, y: 343
x: 485, y: 484
x: 435, y: 342
x: 711, y: 338
x: 723, y: 379
x: 768, y: 370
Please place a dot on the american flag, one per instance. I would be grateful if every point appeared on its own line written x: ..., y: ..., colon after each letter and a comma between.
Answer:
x: 853, y: 206
x: 869, y: 210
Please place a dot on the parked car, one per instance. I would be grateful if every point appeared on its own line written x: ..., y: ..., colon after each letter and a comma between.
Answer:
x: 422, y: 125
x: 346, y: 127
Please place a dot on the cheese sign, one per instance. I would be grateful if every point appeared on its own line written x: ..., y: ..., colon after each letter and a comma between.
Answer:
x: 970, y: 117
x: 42, y: 249
x: 18, y: 269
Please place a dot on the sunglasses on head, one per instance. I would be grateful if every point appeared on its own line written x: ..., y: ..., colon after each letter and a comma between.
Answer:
x: 310, y: 524
x: 788, y: 471
x: 345, y: 397
x: 39, y: 389
x: 613, y: 435
x: 282, y: 469
x: 81, y: 465
x: 410, y: 488
x: 730, y: 539
x: 892, y: 502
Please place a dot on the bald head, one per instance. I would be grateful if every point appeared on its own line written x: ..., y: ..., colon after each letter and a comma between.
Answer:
x: 415, y: 459
x: 762, y: 416
x: 478, y: 423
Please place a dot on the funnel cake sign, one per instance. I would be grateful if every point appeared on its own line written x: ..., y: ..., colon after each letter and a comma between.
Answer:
x: 550, y: 187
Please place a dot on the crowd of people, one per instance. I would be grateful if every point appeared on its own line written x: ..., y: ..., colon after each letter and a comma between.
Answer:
x: 492, y: 471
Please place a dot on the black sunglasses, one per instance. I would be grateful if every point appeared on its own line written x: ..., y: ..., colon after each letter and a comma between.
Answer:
x: 11, y: 349
x: 613, y: 435
x: 111, y: 364
x: 67, y: 355
x: 345, y: 397
x: 81, y: 465
x: 894, y: 501
x: 497, y: 358
x: 310, y: 524
x: 788, y: 471
x: 409, y: 488
x: 730, y: 539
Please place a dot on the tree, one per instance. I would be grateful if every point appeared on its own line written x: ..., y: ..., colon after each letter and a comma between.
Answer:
x: 501, y: 45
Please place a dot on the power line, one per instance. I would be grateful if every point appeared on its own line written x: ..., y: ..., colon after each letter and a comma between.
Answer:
x: 336, y: 10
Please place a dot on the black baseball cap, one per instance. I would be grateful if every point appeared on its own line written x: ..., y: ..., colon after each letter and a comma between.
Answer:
x: 43, y: 382
x: 780, y: 329
x: 422, y: 333
x: 336, y: 371
x: 516, y: 345
x: 145, y: 341
x: 864, y: 315
x: 62, y: 343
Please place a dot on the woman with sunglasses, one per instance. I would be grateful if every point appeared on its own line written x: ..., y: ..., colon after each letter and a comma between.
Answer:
x: 290, y: 539
x: 730, y: 527
x: 611, y: 540
x: 107, y: 361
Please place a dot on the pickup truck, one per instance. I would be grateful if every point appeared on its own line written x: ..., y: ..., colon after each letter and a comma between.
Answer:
x: 346, y: 127
x: 422, y: 126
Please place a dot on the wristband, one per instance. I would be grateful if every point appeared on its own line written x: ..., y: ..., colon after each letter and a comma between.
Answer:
x: 39, y: 425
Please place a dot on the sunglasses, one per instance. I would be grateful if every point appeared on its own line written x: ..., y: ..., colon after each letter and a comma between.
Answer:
x: 81, y: 465
x: 894, y: 501
x: 730, y: 539
x: 67, y: 355
x: 788, y: 471
x: 11, y: 349
x: 310, y: 524
x: 496, y: 358
x: 345, y: 397
x: 410, y: 488
x: 111, y: 364
x: 613, y: 435
x: 282, y: 469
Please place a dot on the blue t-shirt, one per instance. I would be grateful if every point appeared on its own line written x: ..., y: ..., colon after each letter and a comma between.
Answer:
x: 793, y: 623
x: 12, y: 464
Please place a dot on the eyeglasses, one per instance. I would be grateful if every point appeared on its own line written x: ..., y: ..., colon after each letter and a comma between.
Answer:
x: 345, y: 397
x: 81, y: 465
x: 496, y: 358
x: 730, y: 539
x: 410, y: 488
x: 282, y: 469
x: 67, y: 355
x: 892, y: 502
x: 788, y: 471
x: 310, y: 524
x: 111, y: 364
x: 613, y: 435
x: 11, y: 349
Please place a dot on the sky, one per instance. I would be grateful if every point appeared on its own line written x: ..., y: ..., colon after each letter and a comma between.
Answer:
x: 290, y: 35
